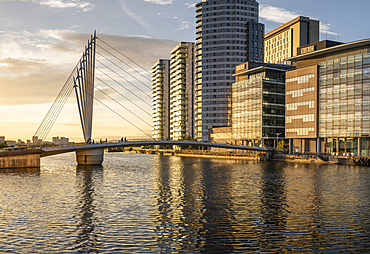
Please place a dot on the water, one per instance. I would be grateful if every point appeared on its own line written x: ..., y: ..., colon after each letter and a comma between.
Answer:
x: 157, y: 204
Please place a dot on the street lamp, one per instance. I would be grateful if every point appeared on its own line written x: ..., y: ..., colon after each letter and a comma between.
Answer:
x: 277, y: 140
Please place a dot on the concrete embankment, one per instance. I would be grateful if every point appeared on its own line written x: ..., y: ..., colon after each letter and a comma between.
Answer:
x: 306, y: 159
x: 20, y: 159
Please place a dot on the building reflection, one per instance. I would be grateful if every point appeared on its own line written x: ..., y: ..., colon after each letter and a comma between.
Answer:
x: 272, y: 224
x: 178, y: 193
x: 88, y: 177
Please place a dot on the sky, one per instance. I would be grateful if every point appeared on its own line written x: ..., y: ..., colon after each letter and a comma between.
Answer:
x: 42, y: 40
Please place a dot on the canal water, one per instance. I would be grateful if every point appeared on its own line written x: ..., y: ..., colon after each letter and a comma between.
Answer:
x: 139, y: 203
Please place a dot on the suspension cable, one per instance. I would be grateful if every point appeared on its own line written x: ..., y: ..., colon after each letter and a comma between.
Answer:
x: 126, y: 57
x: 124, y: 70
x: 122, y: 78
x: 117, y: 112
x: 122, y: 86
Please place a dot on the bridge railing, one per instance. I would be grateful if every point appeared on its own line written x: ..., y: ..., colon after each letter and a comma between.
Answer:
x: 101, y: 141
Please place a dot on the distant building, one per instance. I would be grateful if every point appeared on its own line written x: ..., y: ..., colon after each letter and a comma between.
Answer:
x: 161, y: 99
x: 182, y: 91
x: 11, y: 143
x: 2, y: 139
x: 284, y: 41
x: 258, y: 110
x: 36, y: 140
x: 328, y: 99
x: 60, y: 141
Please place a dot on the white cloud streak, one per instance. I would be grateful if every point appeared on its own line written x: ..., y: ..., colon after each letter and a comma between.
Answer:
x: 142, y: 21
x: 185, y: 25
x: 189, y: 5
x: 161, y: 2
x: 84, y: 6
x: 276, y: 14
x: 61, y: 4
x: 280, y: 15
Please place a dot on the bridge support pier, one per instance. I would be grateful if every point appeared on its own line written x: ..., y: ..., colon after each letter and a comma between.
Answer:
x: 90, y: 157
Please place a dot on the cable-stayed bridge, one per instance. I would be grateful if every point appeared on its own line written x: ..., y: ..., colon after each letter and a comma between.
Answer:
x: 102, y: 69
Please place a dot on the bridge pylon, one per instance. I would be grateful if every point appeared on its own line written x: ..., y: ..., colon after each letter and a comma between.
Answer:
x: 84, y: 87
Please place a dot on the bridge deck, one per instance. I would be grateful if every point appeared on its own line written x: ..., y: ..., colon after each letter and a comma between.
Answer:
x: 66, y: 149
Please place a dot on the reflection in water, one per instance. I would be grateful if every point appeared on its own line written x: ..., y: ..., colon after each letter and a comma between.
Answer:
x: 158, y: 204
x: 273, y: 207
x: 20, y: 170
x: 88, y: 177
x: 178, y: 202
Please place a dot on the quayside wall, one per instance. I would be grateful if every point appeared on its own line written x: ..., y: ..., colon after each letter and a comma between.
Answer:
x: 23, y: 159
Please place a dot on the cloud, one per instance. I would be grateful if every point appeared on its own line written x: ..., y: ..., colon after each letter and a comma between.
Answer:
x: 35, y: 66
x: 161, y: 2
x: 189, y: 5
x: 325, y: 28
x: 83, y: 6
x: 276, y: 14
x: 142, y: 21
x: 185, y: 25
x: 280, y: 15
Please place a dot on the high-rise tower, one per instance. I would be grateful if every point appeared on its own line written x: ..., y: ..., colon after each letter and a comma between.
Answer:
x: 182, y: 91
x: 161, y: 99
x: 228, y: 34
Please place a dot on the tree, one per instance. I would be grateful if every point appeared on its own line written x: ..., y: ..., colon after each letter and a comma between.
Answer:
x: 283, y: 146
x: 3, y: 145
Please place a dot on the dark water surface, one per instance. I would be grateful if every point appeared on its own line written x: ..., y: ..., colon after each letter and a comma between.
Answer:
x: 157, y: 204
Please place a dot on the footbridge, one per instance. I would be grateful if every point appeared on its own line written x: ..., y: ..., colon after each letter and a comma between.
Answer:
x: 82, y: 83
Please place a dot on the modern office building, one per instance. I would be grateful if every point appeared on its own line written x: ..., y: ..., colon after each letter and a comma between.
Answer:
x: 161, y: 99
x: 227, y: 34
x: 328, y: 98
x: 258, y: 109
x: 283, y: 42
x: 182, y: 91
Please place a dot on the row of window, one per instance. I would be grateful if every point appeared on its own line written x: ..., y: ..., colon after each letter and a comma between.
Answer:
x: 231, y: 18
x: 215, y: 108
x: 225, y: 36
x: 226, y: 47
x: 216, y: 96
x: 226, y: 12
x: 294, y: 106
x: 231, y: 2
x: 224, y: 24
x: 305, y: 118
x: 299, y: 92
x: 301, y: 131
x: 301, y: 79
x: 224, y: 42
x: 235, y: 30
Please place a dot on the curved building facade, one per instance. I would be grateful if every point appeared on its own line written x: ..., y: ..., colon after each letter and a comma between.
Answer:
x: 227, y: 34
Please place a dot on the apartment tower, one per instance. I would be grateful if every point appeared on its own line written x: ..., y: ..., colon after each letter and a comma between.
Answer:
x: 182, y: 91
x: 227, y: 34
x: 161, y: 99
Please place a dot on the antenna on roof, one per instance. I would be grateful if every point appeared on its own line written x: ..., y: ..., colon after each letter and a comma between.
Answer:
x: 326, y: 35
x: 338, y: 37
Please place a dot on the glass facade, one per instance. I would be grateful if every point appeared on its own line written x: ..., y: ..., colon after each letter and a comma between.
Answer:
x: 258, y: 109
x: 344, y: 97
